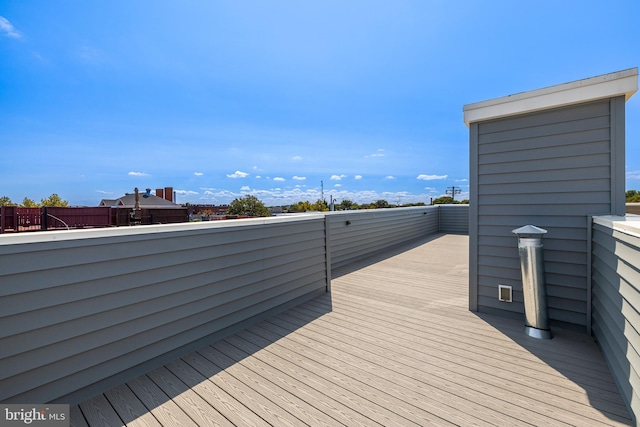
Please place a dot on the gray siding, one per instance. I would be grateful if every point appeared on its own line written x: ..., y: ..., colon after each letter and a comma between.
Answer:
x: 616, y: 307
x: 370, y: 231
x: 550, y: 169
x: 81, y: 311
x: 454, y: 219
x: 97, y: 304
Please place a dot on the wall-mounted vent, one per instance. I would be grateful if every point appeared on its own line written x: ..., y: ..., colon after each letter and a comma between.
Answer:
x: 505, y: 293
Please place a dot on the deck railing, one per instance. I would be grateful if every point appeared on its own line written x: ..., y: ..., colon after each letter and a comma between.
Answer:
x: 84, y: 310
x: 615, y: 282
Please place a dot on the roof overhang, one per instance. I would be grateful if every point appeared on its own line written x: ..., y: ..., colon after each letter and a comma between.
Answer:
x: 606, y: 86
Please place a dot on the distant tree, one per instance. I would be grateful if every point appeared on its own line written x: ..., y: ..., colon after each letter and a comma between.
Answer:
x: 248, y: 205
x: 28, y: 203
x: 443, y: 200
x: 320, y: 206
x: 5, y: 201
x: 379, y: 204
x: 300, y: 207
x: 346, y: 204
x: 54, y: 200
x: 633, y: 196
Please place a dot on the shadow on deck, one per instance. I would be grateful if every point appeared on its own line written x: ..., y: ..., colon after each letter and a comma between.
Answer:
x: 393, y: 344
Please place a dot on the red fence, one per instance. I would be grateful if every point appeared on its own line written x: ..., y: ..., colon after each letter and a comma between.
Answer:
x: 15, y: 219
x: 55, y: 217
x: 126, y: 216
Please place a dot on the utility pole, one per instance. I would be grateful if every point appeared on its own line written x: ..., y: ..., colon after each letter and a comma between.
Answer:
x: 322, y: 190
x: 453, y: 191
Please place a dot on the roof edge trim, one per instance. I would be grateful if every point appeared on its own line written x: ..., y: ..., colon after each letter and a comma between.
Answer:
x: 623, y: 82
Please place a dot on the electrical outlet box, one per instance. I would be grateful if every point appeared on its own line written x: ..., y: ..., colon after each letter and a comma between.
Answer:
x: 505, y: 293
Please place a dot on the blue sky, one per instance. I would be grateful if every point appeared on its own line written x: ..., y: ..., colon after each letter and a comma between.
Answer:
x: 220, y: 99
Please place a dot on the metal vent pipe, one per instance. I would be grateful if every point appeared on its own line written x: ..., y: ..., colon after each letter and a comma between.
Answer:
x: 533, y: 283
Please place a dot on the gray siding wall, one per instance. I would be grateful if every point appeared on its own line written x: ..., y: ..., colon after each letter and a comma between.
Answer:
x: 81, y: 311
x: 550, y: 169
x: 616, y: 307
x: 454, y: 219
x: 98, y: 304
x: 370, y: 231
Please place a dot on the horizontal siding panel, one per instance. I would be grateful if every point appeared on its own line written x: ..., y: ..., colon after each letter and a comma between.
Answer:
x: 164, y: 279
x: 158, y: 326
x: 454, y: 219
x: 516, y: 221
x: 369, y: 233
x: 616, y: 306
x: 101, y: 304
x: 548, y: 132
x: 568, y: 164
x: 553, y: 231
x: 555, y: 197
x: 492, y: 145
x: 129, y: 301
x: 550, y: 244
x: 562, y: 151
x: 511, y: 189
x: 574, y: 210
x: 140, y: 356
x: 571, y: 318
x: 550, y: 169
x: 107, y: 259
x: 492, y: 302
x: 113, y: 312
x: 541, y: 176
x: 556, y: 115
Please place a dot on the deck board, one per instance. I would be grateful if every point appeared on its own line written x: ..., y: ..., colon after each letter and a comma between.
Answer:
x: 393, y: 344
x: 130, y: 409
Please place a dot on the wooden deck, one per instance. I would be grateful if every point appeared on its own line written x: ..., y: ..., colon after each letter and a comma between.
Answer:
x: 393, y: 344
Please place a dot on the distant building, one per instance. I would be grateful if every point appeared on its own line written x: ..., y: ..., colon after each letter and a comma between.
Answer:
x: 163, y: 199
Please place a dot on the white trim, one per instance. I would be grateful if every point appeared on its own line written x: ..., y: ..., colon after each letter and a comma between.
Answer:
x: 606, y: 86
x: 154, y: 230
x: 628, y: 224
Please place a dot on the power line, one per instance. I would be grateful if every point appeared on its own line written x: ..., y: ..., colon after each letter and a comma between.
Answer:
x: 453, y: 191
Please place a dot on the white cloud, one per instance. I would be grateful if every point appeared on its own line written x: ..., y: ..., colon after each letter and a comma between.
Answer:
x: 633, y: 175
x: 8, y: 29
x: 238, y: 174
x: 379, y: 153
x: 389, y: 177
x: 198, y: 173
x: 296, y: 158
x: 299, y: 178
x: 338, y: 185
x: 461, y: 180
x: 338, y: 177
x: 186, y: 192
x: 278, y: 178
x: 431, y: 177
x: 245, y: 188
x: 258, y: 176
x: 358, y: 177
x: 104, y: 192
x: 138, y: 174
